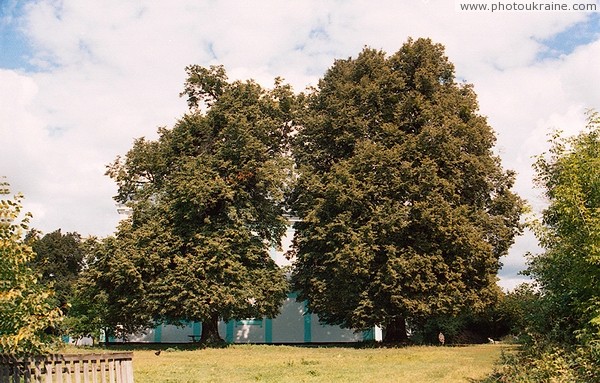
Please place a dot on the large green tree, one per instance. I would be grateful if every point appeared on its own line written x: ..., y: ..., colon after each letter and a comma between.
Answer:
x: 206, y: 200
x: 404, y: 209
x: 27, y: 316
x: 568, y: 272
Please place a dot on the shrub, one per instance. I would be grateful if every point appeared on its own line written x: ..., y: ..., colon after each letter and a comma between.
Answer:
x: 549, y: 364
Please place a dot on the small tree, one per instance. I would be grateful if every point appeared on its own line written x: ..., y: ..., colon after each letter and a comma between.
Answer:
x: 58, y: 260
x: 109, y: 295
x: 569, y: 270
x: 27, y: 316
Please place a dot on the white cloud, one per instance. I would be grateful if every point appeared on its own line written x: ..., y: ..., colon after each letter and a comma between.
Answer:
x: 112, y: 71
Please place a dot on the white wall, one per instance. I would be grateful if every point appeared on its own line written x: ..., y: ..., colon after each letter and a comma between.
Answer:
x: 292, y: 325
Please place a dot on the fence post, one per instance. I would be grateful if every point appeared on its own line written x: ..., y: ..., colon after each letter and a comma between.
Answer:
x: 58, y: 369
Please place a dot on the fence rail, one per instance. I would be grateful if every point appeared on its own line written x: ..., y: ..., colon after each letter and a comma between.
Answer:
x: 68, y: 368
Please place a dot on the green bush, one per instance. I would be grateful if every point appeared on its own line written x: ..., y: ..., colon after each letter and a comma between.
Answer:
x: 549, y: 364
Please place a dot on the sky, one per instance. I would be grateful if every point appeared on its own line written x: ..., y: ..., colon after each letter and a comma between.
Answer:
x: 81, y: 79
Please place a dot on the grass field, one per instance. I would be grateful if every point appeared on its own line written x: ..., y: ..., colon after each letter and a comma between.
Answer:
x: 262, y: 363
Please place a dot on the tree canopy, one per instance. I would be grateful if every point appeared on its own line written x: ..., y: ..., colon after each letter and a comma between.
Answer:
x: 404, y: 209
x: 27, y: 316
x: 206, y: 200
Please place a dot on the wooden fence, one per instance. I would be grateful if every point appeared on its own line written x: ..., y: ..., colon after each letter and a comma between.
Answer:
x: 75, y: 368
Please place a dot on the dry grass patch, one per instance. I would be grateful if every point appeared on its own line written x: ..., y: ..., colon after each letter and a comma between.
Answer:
x: 262, y: 363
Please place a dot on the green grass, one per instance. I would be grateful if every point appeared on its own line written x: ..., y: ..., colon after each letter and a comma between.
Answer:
x: 263, y: 363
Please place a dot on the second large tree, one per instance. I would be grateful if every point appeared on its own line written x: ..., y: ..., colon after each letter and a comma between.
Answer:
x: 405, y: 210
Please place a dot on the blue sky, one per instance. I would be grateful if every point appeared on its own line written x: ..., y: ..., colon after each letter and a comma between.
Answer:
x: 79, y: 80
x: 565, y: 42
x: 13, y: 44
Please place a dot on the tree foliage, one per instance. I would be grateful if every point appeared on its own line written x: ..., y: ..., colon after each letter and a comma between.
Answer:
x: 568, y: 271
x: 206, y: 200
x: 58, y: 260
x: 27, y: 316
x: 404, y: 210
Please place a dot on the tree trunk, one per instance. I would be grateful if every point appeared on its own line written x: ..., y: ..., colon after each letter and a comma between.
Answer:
x: 395, y: 331
x: 210, y: 330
